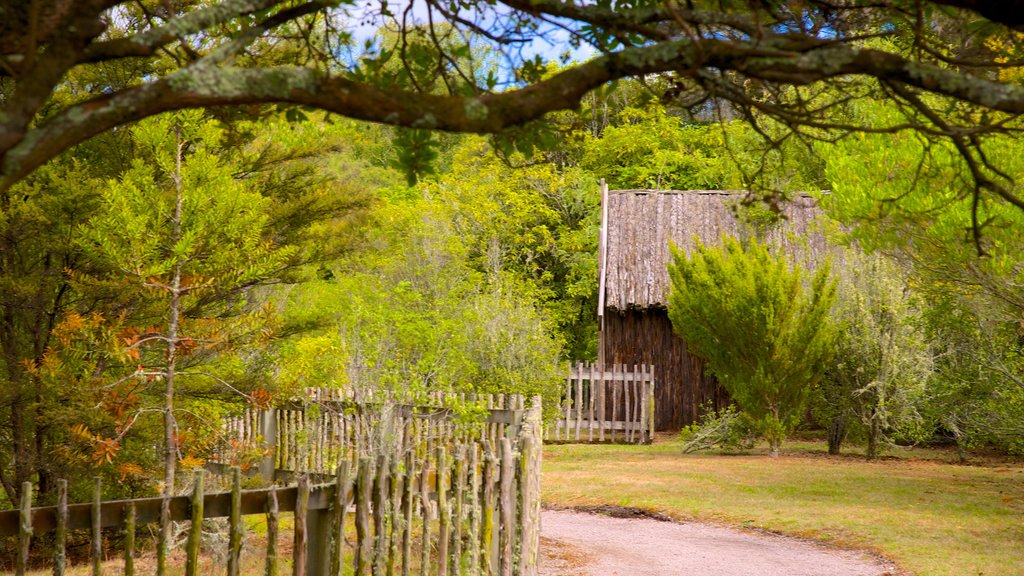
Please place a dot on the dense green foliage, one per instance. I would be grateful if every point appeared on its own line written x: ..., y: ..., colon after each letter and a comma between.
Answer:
x: 876, y: 385
x: 764, y: 332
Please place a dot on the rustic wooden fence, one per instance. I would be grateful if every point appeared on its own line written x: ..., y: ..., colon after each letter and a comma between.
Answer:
x: 610, y: 405
x: 315, y: 434
x: 462, y: 503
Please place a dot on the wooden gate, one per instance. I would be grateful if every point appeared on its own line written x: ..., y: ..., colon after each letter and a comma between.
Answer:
x: 615, y: 404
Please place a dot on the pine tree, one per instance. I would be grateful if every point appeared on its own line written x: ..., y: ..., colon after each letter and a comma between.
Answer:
x: 763, y: 333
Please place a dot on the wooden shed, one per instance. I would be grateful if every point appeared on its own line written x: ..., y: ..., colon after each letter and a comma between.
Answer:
x: 636, y: 228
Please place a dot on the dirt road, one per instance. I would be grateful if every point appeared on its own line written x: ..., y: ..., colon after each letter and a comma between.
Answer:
x: 582, y: 544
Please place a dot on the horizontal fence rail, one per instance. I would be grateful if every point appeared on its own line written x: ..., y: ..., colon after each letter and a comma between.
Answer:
x: 615, y: 404
x: 458, y: 502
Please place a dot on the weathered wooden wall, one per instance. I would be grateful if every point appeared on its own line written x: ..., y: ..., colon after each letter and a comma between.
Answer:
x: 683, y: 386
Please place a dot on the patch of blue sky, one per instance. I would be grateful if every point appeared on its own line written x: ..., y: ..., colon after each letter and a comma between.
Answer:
x: 550, y: 42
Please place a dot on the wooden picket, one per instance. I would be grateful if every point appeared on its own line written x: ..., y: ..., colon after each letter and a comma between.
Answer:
x: 455, y: 494
x: 615, y: 404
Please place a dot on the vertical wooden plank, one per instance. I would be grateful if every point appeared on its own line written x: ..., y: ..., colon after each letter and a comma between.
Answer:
x: 569, y: 401
x: 97, y: 534
x: 380, y: 514
x: 615, y: 399
x: 395, y: 516
x: 426, y: 509
x: 443, y: 514
x: 487, y: 539
x: 506, y: 508
x: 196, y: 530
x: 408, y: 498
x: 300, y: 536
x: 579, y: 400
x: 363, y: 489
x: 236, y: 530
x: 650, y: 403
x: 270, y: 566
x: 642, y: 400
x: 474, y: 508
x: 60, y: 536
x: 129, y: 540
x: 590, y: 402
x: 25, y: 529
x: 532, y: 449
x: 628, y: 397
x: 460, y: 496
x: 602, y: 406
x: 342, y: 485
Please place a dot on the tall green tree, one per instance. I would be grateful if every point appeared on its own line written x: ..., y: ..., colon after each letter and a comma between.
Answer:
x: 760, y: 322
x: 883, y: 361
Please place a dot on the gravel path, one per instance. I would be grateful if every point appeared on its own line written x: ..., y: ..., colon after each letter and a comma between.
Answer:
x: 581, y: 544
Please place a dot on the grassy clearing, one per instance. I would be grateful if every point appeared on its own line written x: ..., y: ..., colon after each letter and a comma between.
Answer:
x: 930, y: 516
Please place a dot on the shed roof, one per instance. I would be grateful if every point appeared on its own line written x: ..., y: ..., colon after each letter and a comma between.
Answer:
x: 637, y: 226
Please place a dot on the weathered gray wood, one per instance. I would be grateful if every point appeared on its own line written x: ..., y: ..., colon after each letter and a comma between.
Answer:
x: 60, y: 535
x: 650, y: 403
x: 602, y: 406
x: 425, y: 509
x: 340, y: 506
x: 459, y: 494
x: 300, y: 535
x: 236, y: 530
x: 507, y: 512
x: 129, y: 540
x: 364, y: 484
x: 487, y: 539
x: 532, y: 451
x: 196, y: 530
x: 270, y: 565
x: 24, y: 529
x: 613, y: 384
x: 443, y: 513
x: 395, y: 517
x: 578, y: 404
x: 590, y: 402
x: 268, y: 430
x: 474, y: 508
x: 628, y: 408
x: 380, y: 513
x: 97, y: 523
x: 408, y: 495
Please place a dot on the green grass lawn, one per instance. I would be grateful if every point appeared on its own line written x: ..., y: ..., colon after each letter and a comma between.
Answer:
x: 930, y: 516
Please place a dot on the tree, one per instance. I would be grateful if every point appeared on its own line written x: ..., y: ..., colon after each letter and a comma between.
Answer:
x: 882, y: 363
x: 763, y: 332
x: 795, y: 63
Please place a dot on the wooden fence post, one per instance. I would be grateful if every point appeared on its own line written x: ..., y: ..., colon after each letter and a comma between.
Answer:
x: 364, y: 483
x: 506, y: 509
x: 650, y: 403
x: 268, y: 429
x: 24, y: 529
x: 97, y: 534
x: 236, y: 530
x: 196, y: 532
x: 342, y: 486
x: 271, y: 561
x: 60, y: 539
x: 300, y: 536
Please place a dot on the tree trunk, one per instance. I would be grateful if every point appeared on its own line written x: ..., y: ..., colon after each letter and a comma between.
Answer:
x: 836, y: 434
x: 170, y: 434
x: 873, y: 432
